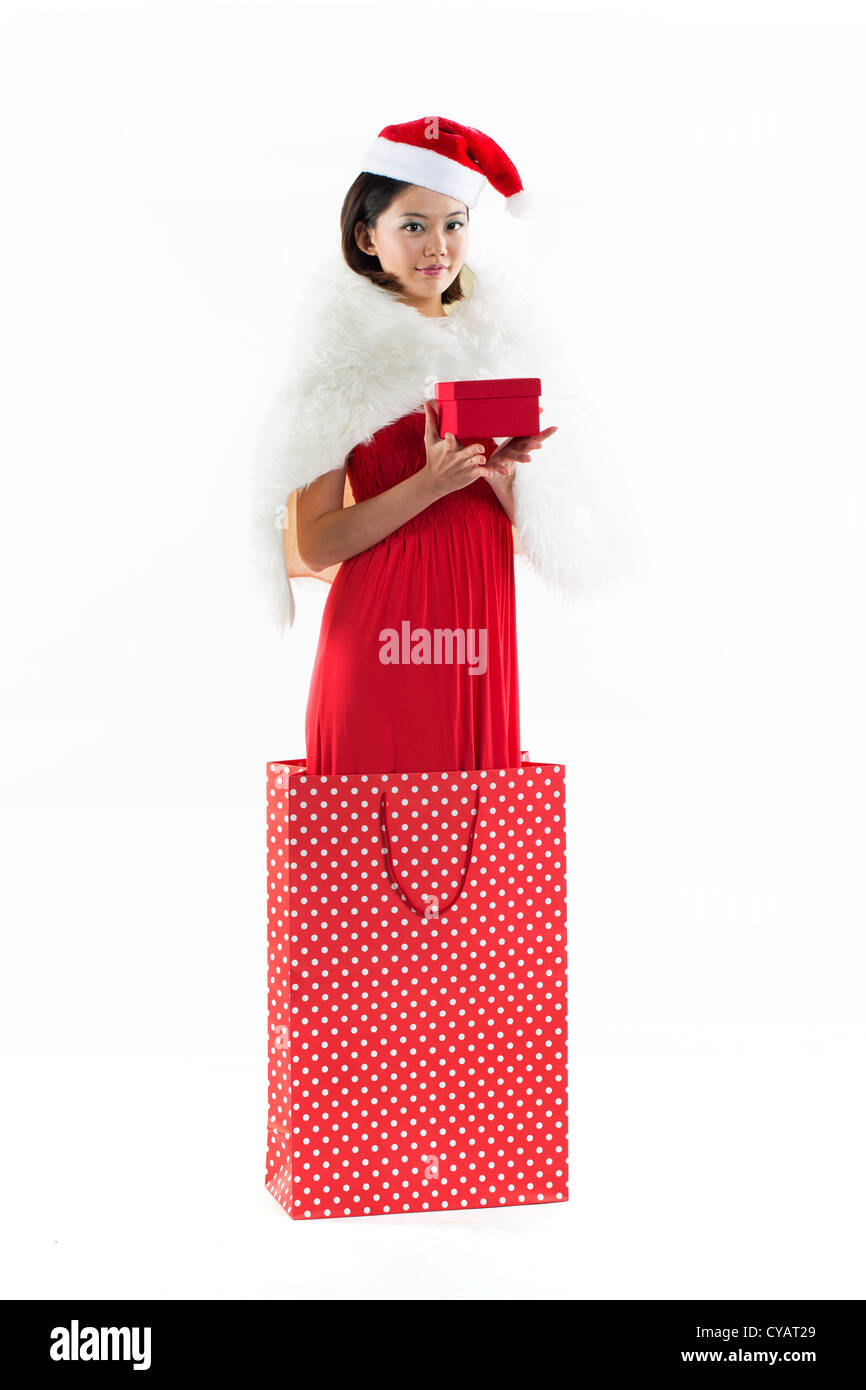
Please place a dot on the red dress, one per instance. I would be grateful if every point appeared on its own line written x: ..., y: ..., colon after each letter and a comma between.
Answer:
x: 448, y: 570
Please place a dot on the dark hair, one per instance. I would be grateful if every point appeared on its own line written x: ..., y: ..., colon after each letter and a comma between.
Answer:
x: 369, y: 196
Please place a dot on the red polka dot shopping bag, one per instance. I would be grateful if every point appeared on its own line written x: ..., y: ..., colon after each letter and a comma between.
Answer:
x: 416, y: 965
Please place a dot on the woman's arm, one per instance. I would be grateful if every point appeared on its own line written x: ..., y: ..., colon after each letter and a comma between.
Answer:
x: 504, y: 488
x: 505, y: 458
x: 328, y: 532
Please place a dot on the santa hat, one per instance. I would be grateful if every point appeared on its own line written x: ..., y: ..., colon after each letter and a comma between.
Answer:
x: 446, y: 157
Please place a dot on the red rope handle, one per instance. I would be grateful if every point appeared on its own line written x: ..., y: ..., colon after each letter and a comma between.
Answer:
x: 389, y: 859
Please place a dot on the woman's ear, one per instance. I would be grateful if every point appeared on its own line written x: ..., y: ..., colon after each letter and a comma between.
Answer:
x: 362, y: 239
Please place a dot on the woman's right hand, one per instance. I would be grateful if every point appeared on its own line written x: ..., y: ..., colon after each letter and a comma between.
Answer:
x: 449, y: 467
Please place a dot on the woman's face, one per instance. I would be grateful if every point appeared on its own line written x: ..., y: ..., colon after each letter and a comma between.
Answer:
x: 420, y: 229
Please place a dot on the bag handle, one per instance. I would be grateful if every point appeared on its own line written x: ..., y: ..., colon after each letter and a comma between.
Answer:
x: 432, y: 907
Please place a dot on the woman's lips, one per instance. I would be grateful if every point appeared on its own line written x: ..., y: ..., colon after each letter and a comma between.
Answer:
x: 432, y: 270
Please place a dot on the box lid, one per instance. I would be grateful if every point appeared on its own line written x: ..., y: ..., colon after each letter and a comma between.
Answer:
x: 475, y: 390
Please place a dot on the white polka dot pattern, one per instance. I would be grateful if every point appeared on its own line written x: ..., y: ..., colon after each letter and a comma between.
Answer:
x: 417, y: 1024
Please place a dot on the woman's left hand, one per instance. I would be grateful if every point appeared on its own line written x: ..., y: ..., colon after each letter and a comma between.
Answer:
x: 517, y: 450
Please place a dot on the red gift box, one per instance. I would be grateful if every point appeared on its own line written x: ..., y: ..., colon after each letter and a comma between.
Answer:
x: 416, y: 961
x: 494, y: 409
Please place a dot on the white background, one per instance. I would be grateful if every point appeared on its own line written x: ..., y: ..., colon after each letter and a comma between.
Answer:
x: 167, y: 172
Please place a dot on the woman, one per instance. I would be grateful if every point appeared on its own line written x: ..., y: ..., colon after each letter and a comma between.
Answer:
x: 416, y: 665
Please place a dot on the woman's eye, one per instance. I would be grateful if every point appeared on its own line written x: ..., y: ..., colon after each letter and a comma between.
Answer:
x: 418, y: 224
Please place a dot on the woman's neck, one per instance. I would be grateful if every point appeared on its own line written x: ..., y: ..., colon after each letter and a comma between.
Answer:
x: 434, y: 312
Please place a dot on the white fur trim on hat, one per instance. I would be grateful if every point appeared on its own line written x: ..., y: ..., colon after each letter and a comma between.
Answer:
x: 425, y: 168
